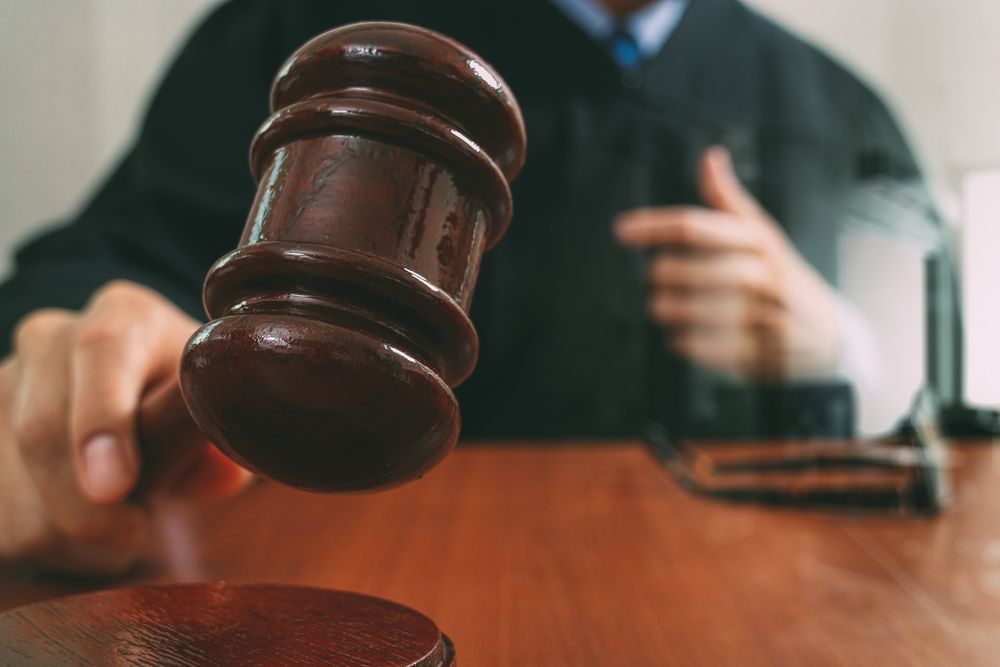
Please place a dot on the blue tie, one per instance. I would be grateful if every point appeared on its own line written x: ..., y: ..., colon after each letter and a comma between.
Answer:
x: 624, y: 49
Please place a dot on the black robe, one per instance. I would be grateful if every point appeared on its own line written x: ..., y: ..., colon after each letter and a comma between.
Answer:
x: 567, y: 350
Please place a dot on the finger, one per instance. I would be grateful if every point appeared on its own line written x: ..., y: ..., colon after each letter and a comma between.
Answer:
x: 738, y: 352
x: 721, y: 188
x: 732, y: 352
x: 38, y: 415
x: 39, y: 426
x: 41, y: 429
x: 731, y: 310
x: 744, y: 272
x: 25, y: 530
x: 686, y: 227
x: 125, y: 342
x: 109, y: 368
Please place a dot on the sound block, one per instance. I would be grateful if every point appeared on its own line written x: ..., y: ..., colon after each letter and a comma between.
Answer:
x: 221, y: 624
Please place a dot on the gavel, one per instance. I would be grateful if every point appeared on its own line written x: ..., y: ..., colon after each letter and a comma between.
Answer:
x: 340, y: 325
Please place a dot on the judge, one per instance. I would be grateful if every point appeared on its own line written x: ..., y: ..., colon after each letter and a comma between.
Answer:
x: 671, y: 259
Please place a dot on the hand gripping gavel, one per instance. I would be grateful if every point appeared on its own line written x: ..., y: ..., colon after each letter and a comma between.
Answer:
x: 339, y: 325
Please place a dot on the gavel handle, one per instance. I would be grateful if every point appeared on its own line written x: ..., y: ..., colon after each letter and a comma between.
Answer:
x: 170, y: 442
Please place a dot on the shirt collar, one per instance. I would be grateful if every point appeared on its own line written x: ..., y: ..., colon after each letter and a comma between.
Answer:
x: 651, y: 25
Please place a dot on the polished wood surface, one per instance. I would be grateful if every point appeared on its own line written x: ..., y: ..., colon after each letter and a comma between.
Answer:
x: 591, y: 554
x: 221, y: 625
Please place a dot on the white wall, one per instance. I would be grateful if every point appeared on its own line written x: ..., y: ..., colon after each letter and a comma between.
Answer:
x: 74, y: 76
x: 938, y: 63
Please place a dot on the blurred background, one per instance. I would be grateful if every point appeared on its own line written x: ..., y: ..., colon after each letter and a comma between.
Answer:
x: 76, y: 73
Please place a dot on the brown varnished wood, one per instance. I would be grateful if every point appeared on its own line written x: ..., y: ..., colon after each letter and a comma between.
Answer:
x: 340, y: 324
x: 590, y: 554
x: 206, y: 625
x: 172, y: 442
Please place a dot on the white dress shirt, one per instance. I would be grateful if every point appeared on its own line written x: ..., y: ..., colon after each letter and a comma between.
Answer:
x: 650, y: 26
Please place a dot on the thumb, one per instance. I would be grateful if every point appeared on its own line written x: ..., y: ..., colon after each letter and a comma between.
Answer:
x: 720, y: 186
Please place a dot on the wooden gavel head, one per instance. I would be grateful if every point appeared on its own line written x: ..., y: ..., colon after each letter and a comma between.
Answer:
x: 339, y: 325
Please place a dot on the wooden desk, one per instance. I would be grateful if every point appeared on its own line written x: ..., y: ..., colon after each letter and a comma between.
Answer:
x: 592, y: 555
